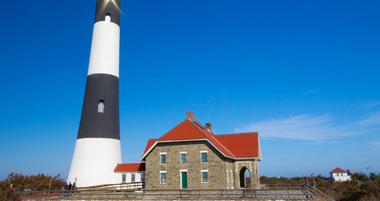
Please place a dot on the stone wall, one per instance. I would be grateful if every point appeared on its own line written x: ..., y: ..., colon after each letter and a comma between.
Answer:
x: 223, y: 173
x: 215, y: 166
x: 252, y: 166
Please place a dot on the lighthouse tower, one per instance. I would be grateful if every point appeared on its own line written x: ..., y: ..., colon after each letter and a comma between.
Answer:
x: 98, y: 150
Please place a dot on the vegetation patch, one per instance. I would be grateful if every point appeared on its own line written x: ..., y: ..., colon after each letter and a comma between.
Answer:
x: 362, y: 187
x: 16, y: 185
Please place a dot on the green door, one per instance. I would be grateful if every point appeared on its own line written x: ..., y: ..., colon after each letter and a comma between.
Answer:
x: 184, y: 180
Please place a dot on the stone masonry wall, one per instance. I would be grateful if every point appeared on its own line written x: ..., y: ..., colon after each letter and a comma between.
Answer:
x: 223, y: 173
x: 252, y: 166
x: 216, y: 167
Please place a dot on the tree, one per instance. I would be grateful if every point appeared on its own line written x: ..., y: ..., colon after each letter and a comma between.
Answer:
x: 374, y: 177
x: 34, y: 182
x: 359, y: 177
x: 9, y: 195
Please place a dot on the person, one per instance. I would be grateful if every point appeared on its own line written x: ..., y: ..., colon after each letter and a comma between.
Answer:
x: 65, y: 190
x: 74, y: 186
x: 70, y: 187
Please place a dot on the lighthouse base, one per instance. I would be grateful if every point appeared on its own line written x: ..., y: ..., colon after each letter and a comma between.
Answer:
x: 94, y: 162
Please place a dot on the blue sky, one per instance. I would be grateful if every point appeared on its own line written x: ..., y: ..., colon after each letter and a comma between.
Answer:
x: 305, y: 74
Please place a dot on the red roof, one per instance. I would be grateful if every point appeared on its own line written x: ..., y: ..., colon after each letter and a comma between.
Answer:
x: 236, y: 146
x: 243, y: 145
x: 150, y: 144
x: 130, y: 167
x: 338, y: 170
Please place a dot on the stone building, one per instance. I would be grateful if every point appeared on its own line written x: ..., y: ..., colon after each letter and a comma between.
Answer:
x: 191, y: 156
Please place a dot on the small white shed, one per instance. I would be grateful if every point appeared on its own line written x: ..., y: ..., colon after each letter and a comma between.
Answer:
x: 130, y: 172
x: 340, y: 175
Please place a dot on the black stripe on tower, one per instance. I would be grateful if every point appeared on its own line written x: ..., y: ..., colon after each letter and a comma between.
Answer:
x: 100, y: 112
x: 108, y: 7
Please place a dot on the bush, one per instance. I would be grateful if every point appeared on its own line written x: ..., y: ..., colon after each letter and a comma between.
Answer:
x: 361, y: 188
x: 16, y: 183
x: 9, y: 195
x: 34, y: 182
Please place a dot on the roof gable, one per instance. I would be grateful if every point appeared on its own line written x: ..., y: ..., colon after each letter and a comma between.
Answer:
x: 186, y: 130
x: 235, y: 146
x: 149, y: 144
x: 241, y: 145
x: 338, y: 170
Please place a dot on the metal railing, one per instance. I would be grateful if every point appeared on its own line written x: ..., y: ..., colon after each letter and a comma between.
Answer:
x: 117, y: 187
x: 136, y: 192
x: 289, y: 192
x: 320, y: 194
x: 39, y: 194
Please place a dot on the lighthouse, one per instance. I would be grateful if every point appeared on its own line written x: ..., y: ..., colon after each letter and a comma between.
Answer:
x: 98, y: 149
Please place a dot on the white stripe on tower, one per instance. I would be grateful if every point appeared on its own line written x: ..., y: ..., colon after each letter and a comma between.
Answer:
x: 105, y: 49
x: 94, y: 161
x: 98, y: 150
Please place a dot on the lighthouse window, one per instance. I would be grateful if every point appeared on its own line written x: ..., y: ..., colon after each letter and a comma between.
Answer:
x: 101, y: 106
x: 108, y: 18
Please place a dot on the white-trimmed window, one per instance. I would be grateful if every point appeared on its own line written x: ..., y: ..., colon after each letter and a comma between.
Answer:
x: 123, y: 178
x: 204, y: 176
x: 183, y: 157
x: 133, y: 177
x: 101, y: 106
x: 204, y: 156
x: 163, y: 177
x: 163, y: 158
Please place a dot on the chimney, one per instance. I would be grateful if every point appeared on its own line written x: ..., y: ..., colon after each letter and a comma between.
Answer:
x: 209, y: 127
x: 190, y: 116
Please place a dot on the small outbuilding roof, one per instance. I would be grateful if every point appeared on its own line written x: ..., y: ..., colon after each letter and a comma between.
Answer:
x: 338, y: 170
x: 130, y: 167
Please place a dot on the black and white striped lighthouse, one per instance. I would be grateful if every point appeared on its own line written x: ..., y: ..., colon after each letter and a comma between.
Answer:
x: 98, y: 150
